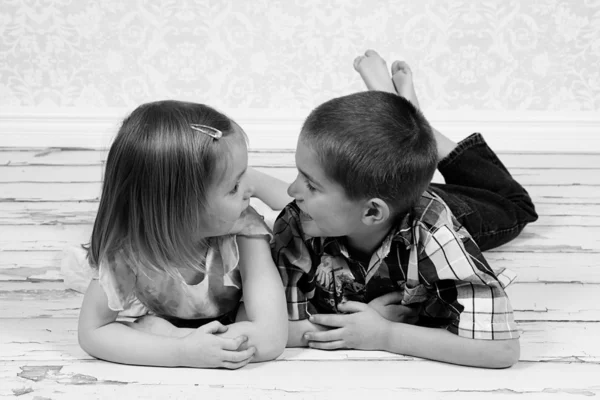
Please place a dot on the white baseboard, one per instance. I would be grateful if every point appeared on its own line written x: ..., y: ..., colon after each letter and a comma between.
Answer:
x: 572, y: 132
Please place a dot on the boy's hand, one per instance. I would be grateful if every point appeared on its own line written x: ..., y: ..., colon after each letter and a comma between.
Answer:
x: 362, y: 328
x: 204, y: 349
x: 389, y: 307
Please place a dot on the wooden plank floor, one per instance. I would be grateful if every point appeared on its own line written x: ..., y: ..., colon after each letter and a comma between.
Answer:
x: 48, y: 198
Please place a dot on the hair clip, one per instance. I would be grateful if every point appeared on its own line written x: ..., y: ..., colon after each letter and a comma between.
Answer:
x: 208, y: 130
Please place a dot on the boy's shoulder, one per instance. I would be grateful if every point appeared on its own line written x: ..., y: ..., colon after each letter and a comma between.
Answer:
x: 289, y: 216
x: 426, y: 220
x: 293, y: 219
x: 432, y: 212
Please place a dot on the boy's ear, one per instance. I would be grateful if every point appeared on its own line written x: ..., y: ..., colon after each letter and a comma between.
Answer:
x: 376, y: 211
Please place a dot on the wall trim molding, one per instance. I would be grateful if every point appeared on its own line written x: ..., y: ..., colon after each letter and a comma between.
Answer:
x: 508, y: 131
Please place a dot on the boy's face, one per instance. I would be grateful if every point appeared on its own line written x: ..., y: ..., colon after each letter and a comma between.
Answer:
x: 327, y: 211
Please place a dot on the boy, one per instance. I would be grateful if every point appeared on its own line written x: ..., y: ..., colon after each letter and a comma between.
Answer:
x: 367, y: 231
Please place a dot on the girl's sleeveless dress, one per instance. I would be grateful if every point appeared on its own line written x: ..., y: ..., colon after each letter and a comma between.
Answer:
x: 138, y: 291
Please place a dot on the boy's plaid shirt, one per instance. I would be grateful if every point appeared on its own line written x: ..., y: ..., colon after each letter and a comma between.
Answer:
x: 429, y: 257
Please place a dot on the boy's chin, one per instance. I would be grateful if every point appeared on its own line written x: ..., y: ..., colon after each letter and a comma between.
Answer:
x: 310, y: 228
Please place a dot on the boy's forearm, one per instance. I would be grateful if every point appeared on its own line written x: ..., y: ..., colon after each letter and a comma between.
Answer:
x: 441, y: 345
x: 119, y: 343
x: 272, y: 191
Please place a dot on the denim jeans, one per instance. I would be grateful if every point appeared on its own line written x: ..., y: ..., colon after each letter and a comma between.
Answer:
x: 482, y: 194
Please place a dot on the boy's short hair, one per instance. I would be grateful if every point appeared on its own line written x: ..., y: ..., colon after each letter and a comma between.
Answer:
x: 374, y: 144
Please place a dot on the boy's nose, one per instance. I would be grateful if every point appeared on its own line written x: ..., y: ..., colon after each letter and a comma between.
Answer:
x: 291, y: 191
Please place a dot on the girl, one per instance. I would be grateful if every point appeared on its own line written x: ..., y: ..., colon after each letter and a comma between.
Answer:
x: 174, y: 232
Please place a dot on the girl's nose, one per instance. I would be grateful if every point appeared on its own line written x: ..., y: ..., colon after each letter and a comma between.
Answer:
x: 249, y: 191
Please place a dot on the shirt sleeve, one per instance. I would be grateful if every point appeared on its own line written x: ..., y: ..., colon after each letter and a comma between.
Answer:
x: 253, y: 224
x: 75, y: 268
x: 118, y: 281
x: 293, y: 259
x: 470, y: 292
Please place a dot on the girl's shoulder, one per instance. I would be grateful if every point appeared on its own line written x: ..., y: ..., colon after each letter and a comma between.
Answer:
x: 251, y: 223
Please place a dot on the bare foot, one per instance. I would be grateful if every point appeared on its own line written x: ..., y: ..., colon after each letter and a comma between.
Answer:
x: 373, y: 71
x: 403, y: 81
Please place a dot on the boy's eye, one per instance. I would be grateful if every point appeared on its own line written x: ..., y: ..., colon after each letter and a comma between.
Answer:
x: 310, y: 187
x: 235, y: 188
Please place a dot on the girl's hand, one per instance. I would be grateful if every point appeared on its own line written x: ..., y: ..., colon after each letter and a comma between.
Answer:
x: 389, y: 307
x: 204, y: 349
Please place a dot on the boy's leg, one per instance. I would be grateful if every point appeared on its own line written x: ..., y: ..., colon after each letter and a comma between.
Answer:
x: 482, y: 194
x: 479, y: 190
x: 373, y: 70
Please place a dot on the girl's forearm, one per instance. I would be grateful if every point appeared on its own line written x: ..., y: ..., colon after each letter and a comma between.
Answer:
x: 441, y: 345
x: 118, y: 343
x: 264, y: 307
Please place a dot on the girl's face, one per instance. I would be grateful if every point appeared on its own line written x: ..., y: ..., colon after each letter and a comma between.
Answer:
x: 228, y: 198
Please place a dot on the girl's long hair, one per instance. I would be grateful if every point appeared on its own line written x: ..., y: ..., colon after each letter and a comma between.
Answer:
x: 157, y: 175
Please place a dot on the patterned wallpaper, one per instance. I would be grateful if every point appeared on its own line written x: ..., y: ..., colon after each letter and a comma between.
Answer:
x: 466, y: 55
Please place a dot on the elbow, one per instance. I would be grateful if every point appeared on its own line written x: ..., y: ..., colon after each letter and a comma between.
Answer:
x: 507, y: 354
x: 89, y: 340
x: 272, y: 343
x: 85, y: 341
x: 278, y: 346
x: 269, y: 351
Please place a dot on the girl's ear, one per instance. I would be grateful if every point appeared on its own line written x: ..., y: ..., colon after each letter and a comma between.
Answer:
x: 376, y: 211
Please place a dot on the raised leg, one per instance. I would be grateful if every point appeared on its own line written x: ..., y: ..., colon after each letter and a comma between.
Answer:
x: 479, y: 190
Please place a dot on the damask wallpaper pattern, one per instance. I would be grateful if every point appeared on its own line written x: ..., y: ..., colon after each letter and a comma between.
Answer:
x: 466, y: 55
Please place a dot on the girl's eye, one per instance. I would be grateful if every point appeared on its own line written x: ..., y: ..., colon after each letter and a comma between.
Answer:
x: 235, y: 188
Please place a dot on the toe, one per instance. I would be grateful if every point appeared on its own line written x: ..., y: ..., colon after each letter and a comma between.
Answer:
x: 372, y: 53
x: 398, y: 66
x: 357, y: 62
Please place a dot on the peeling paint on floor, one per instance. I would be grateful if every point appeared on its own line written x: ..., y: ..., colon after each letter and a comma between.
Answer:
x: 38, y: 373
x: 21, y: 392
